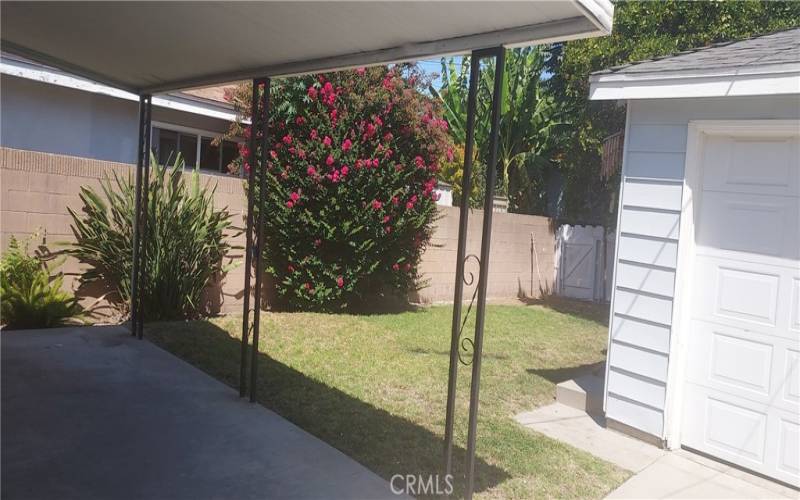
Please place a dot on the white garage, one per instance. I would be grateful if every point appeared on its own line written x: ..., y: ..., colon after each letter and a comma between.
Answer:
x: 704, y: 341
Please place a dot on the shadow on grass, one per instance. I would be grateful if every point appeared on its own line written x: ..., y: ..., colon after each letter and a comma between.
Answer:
x: 417, y: 350
x: 385, y: 443
x: 558, y: 375
x: 591, y: 311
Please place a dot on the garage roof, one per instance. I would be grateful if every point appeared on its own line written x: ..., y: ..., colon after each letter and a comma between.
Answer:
x: 149, y: 47
x: 763, y: 65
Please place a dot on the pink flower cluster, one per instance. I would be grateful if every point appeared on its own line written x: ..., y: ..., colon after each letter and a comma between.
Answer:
x: 430, y: 185
x: 406, y: 266
x: 293, y: 199
x: 434, y: 122
x: 367, y: 163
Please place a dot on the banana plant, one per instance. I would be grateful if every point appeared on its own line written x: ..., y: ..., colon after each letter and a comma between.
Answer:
x: 530, y: 120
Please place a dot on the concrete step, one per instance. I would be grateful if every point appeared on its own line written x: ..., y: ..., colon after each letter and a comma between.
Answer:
x: 582, y: 393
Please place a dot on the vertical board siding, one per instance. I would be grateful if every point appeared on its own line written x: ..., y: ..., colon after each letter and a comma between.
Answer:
x: 652, y: 193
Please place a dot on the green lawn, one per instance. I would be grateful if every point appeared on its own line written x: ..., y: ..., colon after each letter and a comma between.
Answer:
x: 375, y: 387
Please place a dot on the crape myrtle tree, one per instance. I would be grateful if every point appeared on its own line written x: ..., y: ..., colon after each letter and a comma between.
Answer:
x: 351, y: 174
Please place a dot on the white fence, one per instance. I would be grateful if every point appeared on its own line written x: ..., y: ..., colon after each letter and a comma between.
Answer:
x: 584, y: 262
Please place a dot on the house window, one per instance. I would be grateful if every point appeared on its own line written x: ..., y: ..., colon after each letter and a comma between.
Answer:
x: 198, y: 148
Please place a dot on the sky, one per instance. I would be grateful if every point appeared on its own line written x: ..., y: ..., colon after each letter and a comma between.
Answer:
x: 435, y: 66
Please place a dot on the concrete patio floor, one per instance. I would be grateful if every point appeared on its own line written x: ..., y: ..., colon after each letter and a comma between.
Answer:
x: 92, y: 413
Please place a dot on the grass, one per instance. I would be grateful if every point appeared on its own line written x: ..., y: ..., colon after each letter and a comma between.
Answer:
x: 375, y: 388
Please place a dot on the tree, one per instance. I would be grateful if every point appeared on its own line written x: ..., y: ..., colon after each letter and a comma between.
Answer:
x: 350, y: 185
x: 529, y: 123
x: 642, y: 30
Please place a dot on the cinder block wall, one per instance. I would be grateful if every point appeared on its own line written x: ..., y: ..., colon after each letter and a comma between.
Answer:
x: 521, y: 261
x: 36, y: 189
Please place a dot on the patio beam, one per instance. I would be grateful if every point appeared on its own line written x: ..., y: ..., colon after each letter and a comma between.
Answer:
x: 140, y: 212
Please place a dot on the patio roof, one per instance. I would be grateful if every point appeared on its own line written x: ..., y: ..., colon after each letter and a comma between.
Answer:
x: 151, y: 47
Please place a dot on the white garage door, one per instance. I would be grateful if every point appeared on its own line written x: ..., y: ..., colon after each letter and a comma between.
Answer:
x: 742, y: 377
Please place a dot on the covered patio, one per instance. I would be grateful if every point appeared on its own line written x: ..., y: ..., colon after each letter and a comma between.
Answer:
x: 149, y: 48
x: 91, y: 412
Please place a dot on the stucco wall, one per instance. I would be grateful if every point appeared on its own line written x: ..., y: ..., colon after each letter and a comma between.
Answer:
x: 53, y: 119
x: 37, y: 188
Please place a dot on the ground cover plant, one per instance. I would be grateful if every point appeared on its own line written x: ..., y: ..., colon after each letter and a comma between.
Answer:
x: 31, y: 296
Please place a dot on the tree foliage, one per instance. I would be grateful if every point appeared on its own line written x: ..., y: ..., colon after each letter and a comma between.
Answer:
x: 642, y: 30
x: 530, y: 123
x: 350, y: 185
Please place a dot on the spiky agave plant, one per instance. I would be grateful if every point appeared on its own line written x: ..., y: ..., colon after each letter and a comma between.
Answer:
x: 183, y: 250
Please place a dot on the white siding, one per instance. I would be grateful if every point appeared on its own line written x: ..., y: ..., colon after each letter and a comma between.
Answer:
x: 648, y: 234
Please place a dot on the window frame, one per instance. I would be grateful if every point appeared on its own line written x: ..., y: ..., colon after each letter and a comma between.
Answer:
x: 199, y: 134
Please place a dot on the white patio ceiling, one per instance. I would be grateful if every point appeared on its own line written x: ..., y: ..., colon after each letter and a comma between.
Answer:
x: 150, y: 47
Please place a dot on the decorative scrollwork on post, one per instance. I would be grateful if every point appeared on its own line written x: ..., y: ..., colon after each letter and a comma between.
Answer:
x: 466, y: 344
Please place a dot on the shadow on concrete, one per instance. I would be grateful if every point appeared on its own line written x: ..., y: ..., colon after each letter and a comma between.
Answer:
x: 92, y: 413
x: 385, y: 443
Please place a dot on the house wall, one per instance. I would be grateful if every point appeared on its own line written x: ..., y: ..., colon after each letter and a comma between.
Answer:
x: 49, y: 118
x: 37, y: 188
x: 641, y: 337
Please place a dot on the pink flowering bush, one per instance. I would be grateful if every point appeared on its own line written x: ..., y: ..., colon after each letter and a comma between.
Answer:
x: 351, y: 178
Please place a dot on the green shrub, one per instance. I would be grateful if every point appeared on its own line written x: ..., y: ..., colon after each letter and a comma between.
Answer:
x: 350, y: 186
x: 183, y: 249
x: 29, y: 296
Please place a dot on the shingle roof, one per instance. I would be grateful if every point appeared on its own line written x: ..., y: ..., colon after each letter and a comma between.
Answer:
x: 782, y: 47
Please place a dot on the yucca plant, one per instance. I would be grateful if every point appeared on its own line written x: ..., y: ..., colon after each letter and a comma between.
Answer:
x: 29, y: 296
x: 183, y: 248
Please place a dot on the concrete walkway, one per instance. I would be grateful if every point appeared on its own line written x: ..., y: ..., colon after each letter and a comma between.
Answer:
x: 657, y: 473
x: 92, y: 413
